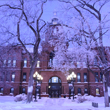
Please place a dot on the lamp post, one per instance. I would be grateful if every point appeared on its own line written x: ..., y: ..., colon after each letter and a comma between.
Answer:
x: 38, y: 78
x: 70, y: 79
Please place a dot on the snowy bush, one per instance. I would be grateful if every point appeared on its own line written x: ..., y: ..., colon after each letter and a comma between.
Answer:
x: 20, y: 97
x: 81, y: 99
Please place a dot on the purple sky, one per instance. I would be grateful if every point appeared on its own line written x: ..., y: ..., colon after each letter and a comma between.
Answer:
x: 54, y: 5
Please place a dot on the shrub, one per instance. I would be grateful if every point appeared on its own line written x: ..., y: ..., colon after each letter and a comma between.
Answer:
x: 20, y: 97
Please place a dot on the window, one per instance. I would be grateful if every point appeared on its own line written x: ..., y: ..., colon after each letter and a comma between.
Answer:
x: 54, y: 80
x: 85, y: 91
x: 3, y: 76
x: 4, y: 63
x: 9, y: 63
x: 101, y: 77
x: 54, y: 62
x: 79, y: 90
x: 85, y: 77
x: 95, y: 61
x: 96, y: 77
x: 84, y: 65
x: 38, y: 64
x: 24, y: 76
x: 50, y: 63
x: 13, y: 77
x: 78, y: 64
x: 7, y: 76
x: 25, y: 62
x: 52, y: 54
x: 12, y: 90
x: 14, y: 63
x: 78, y: 77
x: 23, y: 90
x: 97, y: 91
x: 1, y: 90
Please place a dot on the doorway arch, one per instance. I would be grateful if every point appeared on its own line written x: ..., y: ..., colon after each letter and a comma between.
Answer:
x: 54, y: 87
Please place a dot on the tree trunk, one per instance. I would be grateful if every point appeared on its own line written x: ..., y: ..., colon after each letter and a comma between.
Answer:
x: 30, y: 84
x: 105, y: 88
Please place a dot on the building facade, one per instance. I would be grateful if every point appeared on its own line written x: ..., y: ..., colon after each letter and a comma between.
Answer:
x: 14, y: 78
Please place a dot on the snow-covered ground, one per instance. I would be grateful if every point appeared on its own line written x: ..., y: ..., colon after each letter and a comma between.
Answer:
x: 8, y: 103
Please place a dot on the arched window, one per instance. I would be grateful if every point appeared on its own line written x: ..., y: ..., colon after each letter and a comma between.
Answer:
x: 1, y: 90
x: 38, y: 64
x: 79, y: 90
x: 23, y: 90
x: 12, y: 90
x: 97, y: 91
x: 54, y: 80
x: 78, y: 77
x: 85, y: 91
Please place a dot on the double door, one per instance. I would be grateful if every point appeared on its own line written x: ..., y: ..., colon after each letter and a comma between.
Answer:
x: 54, y: 90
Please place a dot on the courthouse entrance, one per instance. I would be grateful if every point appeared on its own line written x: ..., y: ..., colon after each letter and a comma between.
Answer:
x: 54, y: 87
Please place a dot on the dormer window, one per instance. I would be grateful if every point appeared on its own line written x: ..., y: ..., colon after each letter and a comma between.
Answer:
x: 54, y: 21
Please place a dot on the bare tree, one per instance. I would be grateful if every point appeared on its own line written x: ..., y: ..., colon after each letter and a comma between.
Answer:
x: 89, y: 12
x: 26, y: 31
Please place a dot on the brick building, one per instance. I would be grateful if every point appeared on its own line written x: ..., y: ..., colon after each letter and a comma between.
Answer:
x: 14, y: 78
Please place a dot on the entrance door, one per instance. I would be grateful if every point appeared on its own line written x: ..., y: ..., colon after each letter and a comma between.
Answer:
x: 55, y: 94
x: 54, y: 88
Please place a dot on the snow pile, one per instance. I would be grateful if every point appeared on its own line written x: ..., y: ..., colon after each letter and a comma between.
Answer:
x: 20, y: 97
x: 81, y: 99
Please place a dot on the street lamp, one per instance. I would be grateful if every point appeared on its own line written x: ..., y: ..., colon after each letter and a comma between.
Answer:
x: 38, y: 78
x: 70, y: 79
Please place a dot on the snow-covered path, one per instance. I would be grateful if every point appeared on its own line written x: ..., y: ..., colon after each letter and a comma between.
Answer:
x: 8, y: 103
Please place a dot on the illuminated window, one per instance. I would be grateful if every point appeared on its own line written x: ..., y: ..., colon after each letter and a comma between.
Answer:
x: 78, y: 64
x: 4, y: 62
x: 97, y: 91
x: 23, y: 90
x: 38, y: 64
x: 55, y: 80
x: 9, y: 63
x: 13, y: 77
x: 25, y: 62
x: 1, y: 90
x: 14, y: 63
x: 78, y: 77
x: 85, y: 91
x: 85, y: 77
x: 12, y: 90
